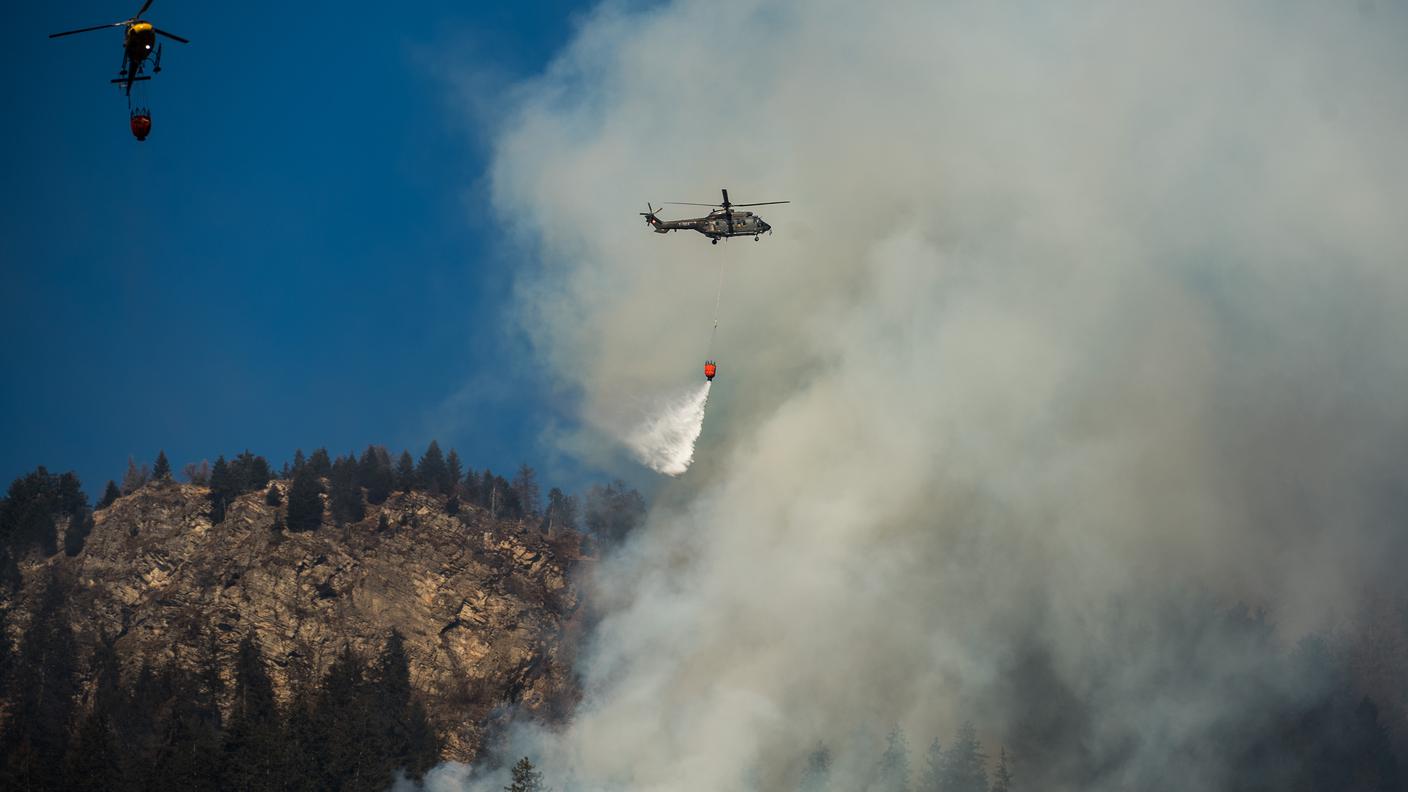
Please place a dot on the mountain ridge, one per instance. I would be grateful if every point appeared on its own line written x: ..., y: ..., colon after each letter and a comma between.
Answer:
x: 486, y: 607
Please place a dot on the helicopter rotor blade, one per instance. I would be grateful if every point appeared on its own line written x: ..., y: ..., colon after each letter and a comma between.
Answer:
x: 171, y: 36
x: 145, y: 6
x: 87, y: 29
x: 764, y: 203
x: 682, y: 203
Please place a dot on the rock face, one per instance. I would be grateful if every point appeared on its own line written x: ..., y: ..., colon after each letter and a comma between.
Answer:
x: 484, y: 606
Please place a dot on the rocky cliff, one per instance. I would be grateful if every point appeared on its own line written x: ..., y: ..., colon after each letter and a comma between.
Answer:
x: 486, y: 607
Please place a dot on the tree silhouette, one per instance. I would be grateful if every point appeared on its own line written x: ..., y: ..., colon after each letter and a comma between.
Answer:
x: 110, y: 495
x: 405, y: 472
x: 376, y: 475
x: 932, y: 780
x: 525, y: 486
x: 432, y: 473
x: 222, y: 490
x: 44, y: 688
x: 1002, y: 779
x: 135, y: 477
x: 93, y: 753
x: 28, y: 510
x: 305, y: 502
x: 400, y: 723
x: 454, y: 471
x: 613, y: 512
x: 344, y: 721
x: 161, y: 471
x: 525, y: 778
x: 345, y: 496
x: 252, y: 740
x: 965, y: 764
x: 320, y: 463
x: 197, y: 473
x: 561, y: 514
x: 893, y: 773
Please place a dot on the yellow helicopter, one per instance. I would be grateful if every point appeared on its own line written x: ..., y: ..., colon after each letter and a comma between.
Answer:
x: 137, y: 42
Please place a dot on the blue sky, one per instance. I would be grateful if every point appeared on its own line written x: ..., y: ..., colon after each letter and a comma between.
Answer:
x: 301, y: 254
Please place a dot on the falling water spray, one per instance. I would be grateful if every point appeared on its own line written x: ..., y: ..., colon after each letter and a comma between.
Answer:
x: 664, y: 441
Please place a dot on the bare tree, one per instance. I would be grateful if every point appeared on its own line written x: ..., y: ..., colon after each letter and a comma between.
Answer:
x: 135, y: 477
x: 198, y: 472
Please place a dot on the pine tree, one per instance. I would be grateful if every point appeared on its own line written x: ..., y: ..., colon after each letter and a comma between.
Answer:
x: 510, y: 504
x: 405, y: 472
x: 249, y: 473
x: 321, y: 463
x: 70, y: 497
x: 92, y: 755
x: 252, y: 740
x: 110, y: 495
x: 932, y: 779
x: 376, y: 475
x: 525, y: 778
x: 400, y: 720
x: 303, y: 765
x: 161, y: 471
x: 525, y: 486
x: 965, y: 764
x: 298, y: 460
x: 190, y: 755
x: 452, y: 505
x: 44, y: 688
x: 893, y: 773
x: 561, y: 514
x: 469, y: 487
x: 432, y: 473
x: 305, y: 502
x: 454, y: 471
x: 345, y: 498
x: 27, y: 511
x: 1002, y: 780
x: 353, y: 753
x: 272, y: 496
x: 613, y: 512
x: 222, y: 490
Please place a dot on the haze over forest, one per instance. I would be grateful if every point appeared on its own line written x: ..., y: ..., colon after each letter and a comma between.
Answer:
x: 1058, y: 437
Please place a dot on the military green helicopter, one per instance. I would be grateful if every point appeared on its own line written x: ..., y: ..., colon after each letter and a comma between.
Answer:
x: 718, y: 224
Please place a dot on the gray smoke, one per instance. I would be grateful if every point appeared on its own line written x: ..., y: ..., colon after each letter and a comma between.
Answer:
x: 1085, y: 315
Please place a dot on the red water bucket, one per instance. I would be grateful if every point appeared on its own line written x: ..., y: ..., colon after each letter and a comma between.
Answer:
x: 141, y: 125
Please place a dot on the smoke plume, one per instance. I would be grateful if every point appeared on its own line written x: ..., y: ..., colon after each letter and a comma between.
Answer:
x: 1085, y: 317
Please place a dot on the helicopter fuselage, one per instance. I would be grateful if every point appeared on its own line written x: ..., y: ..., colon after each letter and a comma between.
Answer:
x: 715, y: 225
x: 138, y: 42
